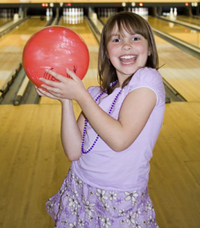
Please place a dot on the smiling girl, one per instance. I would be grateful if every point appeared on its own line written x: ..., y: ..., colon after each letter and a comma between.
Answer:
x: 111, y: 143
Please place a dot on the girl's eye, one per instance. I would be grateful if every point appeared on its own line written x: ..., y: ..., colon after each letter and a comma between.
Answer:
x: 136, y: 38
x: 116, y: 40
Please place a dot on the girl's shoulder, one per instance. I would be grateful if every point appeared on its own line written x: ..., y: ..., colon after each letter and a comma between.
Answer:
x: 146, y: 77
x: 150, y: 78
x: 147, y: 74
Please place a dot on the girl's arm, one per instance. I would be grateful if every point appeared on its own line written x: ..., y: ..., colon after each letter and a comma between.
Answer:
x: 118, y: 134
x: 135, y: 111
x: 71, y: 131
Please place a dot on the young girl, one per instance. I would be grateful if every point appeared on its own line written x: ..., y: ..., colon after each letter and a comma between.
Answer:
x: 111, y: 143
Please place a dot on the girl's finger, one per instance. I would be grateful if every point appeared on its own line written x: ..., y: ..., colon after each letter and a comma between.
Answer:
x: 38, y: 91
x: 42, y: 92
x: 51, y: 89
x: 56, y: 75
x: 49, y: 82
x: 72, y: 74
x: 46, y: 94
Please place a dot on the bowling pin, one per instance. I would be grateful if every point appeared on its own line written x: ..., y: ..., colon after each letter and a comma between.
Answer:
x: 171, y: 14
x: 175, y: 12
x: 50, y: 12
x: 47, y: 12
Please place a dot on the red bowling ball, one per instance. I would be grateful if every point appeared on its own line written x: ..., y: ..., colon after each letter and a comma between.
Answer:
x: 55, y: 48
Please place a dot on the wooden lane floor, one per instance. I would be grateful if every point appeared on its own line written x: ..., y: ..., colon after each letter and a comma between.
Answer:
x: 178, y: 68
x: 4, y: 20
x: 33, y: 165
x: 178, y: 31
x: 175, y: 167
x: 187, y: 19
x: 12, y: 45
x: 84, y: 31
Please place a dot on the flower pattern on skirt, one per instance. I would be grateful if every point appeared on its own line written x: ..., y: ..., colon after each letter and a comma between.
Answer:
x: 79, y: 205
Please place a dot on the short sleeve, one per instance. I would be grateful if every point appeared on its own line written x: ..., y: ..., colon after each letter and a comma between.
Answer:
x: 94, y: 91
x: 150, y: 78
x: 91, y: 89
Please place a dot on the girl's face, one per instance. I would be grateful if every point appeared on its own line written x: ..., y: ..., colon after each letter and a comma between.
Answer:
x: 127, y: 53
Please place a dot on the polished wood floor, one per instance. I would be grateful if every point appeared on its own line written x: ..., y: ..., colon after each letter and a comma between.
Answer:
x: 179, y: 31
x: 12, y: 45
x: 179, y: 69
x: 187, y: 19
x: 33, y: 165
x: 175, y: 168
x: 3, y: 21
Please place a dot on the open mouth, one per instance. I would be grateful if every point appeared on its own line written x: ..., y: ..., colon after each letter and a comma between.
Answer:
x: 128, y: 59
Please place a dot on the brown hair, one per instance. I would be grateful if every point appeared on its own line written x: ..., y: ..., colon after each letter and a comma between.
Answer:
x: 132, y: 23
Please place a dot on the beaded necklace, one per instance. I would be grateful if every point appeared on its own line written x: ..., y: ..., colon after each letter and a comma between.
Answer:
x: 86, y: 121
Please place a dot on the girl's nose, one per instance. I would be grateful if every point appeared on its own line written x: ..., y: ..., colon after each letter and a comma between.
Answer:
x: 126, y: 46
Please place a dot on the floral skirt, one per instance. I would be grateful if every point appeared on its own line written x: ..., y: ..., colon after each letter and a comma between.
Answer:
x: 78, y: 204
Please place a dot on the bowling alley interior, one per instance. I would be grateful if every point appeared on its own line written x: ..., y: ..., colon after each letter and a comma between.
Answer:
x: 32, y: 162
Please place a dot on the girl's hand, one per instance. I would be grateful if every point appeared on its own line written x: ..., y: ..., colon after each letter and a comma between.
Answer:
x: 66, y: 88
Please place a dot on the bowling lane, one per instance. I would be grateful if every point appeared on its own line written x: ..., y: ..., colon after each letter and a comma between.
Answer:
x: 12, y: 44
x: 187, y: 19
x: 179, y: 69
x: 83, y: 29
x: 4, y: 20
x: 183, y: 33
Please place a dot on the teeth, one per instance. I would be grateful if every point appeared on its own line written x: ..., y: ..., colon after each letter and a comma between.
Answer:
x: 127, y: 57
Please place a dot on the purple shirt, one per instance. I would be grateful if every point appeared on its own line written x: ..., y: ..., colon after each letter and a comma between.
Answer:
x: 129, y: 169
